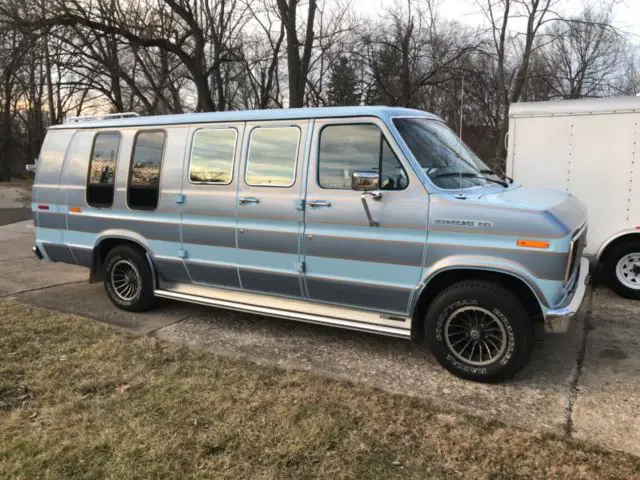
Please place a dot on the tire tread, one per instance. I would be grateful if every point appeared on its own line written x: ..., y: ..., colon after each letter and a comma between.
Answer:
x: 514, y: 302
x: 146, y: 301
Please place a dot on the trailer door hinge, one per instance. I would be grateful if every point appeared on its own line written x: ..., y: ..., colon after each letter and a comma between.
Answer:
x: 301, y: 267
x: 180, y: 198
x: 182, y: 253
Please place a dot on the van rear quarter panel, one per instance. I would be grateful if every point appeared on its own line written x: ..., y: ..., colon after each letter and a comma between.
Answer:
x: 47, y: 192
x: 158, y: 230
x: 590, y: 156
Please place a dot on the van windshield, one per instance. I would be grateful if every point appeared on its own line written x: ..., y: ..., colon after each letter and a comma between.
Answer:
x: 447, y: 161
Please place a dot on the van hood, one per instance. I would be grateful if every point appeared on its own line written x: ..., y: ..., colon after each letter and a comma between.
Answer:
x: 514, y: 211
x: 566, y: 209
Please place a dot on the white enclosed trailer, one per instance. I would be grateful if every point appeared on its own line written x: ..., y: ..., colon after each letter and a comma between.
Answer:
x: 590, y: 148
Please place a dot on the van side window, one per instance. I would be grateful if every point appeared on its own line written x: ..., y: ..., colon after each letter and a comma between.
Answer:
x: 102, y: 169
x: 212, y: 153
x: 144, y: 176
x: 345, y: 149
x: 272, y: 158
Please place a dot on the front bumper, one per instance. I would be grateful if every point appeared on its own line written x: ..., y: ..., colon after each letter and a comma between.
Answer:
x: 557, y: 320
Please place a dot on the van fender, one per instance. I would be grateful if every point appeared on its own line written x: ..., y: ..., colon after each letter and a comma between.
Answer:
x: 120, y: 234
x: 117, y: 233
x: 479, y: 263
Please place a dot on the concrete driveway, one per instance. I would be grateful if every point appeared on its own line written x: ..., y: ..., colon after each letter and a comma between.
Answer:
x: 583, y: 384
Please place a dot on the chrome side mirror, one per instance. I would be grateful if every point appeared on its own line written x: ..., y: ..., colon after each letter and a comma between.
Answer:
x: 365, y: 181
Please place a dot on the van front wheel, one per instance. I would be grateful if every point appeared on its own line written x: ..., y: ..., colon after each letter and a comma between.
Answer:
x: 128, y: 279
x: 479, y: 330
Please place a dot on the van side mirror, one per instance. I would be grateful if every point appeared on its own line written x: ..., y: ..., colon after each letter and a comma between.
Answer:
x: 365, y: 181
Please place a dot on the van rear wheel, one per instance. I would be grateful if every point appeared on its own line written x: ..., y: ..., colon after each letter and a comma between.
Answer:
x: 128, y: 279
x: 480, y: 331
x: 622, y: 270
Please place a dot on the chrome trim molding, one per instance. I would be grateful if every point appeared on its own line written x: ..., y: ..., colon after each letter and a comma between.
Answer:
x: 557, y: 320
x: 291, y: 309
x: 447, y: 265
x: 572, y: 246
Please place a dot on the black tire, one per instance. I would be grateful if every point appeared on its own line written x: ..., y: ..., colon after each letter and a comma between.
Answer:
x: 611, y: 276
x: 120, y: 262
x: 485, y: 311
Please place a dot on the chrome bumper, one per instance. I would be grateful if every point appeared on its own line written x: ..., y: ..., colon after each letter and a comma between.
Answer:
x: 37, y: 252
x: 557, y: 320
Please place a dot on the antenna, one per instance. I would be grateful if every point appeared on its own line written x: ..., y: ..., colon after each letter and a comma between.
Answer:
x: 460, y: 194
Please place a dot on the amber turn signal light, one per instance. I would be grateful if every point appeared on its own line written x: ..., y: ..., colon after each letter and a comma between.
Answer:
x: 532, y: 244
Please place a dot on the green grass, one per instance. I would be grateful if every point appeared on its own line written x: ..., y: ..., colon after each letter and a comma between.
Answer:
x: 79, y: 399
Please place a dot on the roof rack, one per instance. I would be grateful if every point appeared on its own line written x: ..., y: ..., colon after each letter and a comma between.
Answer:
x: 108, y: 116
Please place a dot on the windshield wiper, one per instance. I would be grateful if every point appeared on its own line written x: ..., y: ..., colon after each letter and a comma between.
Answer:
x: 471, y: 175
x: 491, y: 172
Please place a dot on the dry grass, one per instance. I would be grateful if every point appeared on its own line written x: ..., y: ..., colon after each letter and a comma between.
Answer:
x: 82, y: 400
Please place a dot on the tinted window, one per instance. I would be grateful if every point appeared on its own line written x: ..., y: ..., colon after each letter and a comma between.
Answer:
x: 272, y: 157
x: 144, y: 175
x: 102, y: 169
x: 345, y: 149
x: 212, y: 156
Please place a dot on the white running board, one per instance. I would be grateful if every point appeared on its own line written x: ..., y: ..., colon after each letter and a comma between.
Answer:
x: 291, y: 315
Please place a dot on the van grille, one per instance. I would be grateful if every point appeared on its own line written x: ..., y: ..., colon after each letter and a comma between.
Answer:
x: 578, y: 242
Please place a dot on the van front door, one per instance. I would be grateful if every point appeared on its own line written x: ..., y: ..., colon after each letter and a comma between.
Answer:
x: 349, y: 260
x: 268, y: 208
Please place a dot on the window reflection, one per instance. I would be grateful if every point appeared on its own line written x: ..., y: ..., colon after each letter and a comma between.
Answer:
x: 103, y: 160
x: 147, y: 155
x: 272, y: 156
x: 212, y: 156
x: 345, y: 149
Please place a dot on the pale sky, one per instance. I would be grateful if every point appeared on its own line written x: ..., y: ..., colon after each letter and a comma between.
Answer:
x: 626, y: 12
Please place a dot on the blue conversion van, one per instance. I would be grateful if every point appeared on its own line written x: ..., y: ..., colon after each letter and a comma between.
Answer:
x: 369, y: 218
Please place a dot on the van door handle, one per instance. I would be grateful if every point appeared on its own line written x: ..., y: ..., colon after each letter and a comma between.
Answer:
x: 319, y: 203
x: 245, y: 200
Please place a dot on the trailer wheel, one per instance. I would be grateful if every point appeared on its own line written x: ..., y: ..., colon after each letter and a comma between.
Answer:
x: 622, y: 270
x: 479, y: 330
x: 128, y: 279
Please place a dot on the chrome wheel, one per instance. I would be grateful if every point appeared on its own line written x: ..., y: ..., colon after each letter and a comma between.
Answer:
x: 125, y: 280
x: 475, y: 335
x: 628, y: 271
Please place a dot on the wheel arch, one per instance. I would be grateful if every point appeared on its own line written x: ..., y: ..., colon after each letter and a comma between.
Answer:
x: 109, y: 240
x: 615, y: 240
x: 445, y: 277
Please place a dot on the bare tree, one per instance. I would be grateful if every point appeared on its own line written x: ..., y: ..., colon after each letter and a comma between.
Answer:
x: 260, y: 54
x: 512, y: 51
x: 62, y: 57
x: 409, y: 58
x: 584, y: 55
x: 12, y: 46
x: 200, y: 34
x: 297, y: 62
x: 628, y: 82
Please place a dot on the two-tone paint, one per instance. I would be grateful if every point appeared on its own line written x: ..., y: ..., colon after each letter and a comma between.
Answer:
x: 305, y: 252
